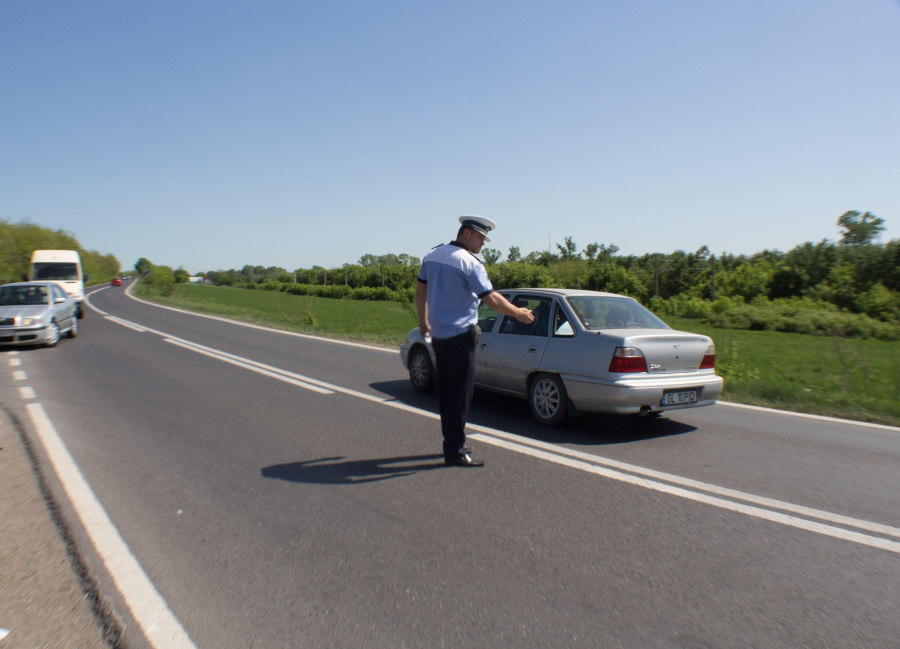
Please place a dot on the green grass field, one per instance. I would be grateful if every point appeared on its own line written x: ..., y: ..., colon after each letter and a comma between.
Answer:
x: 385, y: 323
x: 849, y: 378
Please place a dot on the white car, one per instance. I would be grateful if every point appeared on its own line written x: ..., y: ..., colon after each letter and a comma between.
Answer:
x: 36, y: 313
x: 585, y: 352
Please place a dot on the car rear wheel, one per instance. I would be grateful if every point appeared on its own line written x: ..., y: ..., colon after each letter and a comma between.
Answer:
x: 421, y: 371
x: 548, y: 400
x: 81, y: 312
x: 52, y: 335
x: 73, y: 330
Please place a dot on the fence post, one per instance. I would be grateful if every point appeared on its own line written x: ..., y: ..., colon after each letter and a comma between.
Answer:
x: 712, y: 283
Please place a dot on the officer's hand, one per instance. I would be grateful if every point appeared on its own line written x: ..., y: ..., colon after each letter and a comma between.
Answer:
x: 425, y: 330
x: 524, y: 315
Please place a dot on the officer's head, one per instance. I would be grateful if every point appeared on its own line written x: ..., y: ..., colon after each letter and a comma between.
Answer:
x: 473, y: 232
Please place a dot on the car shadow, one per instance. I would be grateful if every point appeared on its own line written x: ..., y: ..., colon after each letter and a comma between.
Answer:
x: 331, y: 470
x: 512, y: 415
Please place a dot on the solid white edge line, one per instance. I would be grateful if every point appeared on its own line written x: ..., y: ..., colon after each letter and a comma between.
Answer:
x: 87, y: 300
x: 254, y: 326
x: 694, y: 484
x: 756, y: 512
x: 286, y: 379
x: 160, y: 626
x: 805, y: 415
x: 124, y: 323
x: 27, y: 393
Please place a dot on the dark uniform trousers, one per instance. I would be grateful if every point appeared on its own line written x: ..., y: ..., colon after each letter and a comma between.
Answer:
x: 456, y: 380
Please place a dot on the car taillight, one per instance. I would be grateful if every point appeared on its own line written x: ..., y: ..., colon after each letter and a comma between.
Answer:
x: 628, y: 359
x: 709, y: 359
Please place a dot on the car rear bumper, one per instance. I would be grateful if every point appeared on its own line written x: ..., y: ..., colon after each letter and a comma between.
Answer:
x: 22, y: 336
x: 629, y: 395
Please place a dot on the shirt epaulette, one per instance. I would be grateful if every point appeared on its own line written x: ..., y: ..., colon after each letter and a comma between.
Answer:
x: 437, y: 246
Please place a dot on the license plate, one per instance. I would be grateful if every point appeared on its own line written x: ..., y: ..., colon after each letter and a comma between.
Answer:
x: 679, y: 398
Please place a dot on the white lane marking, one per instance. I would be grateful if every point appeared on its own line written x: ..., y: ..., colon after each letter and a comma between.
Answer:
x: 253, y: 326
x: 878, y: 528
x: 345, y: 342
x: 14, y: 362
x: 27, y: 393
x: 587, y: 457
x: 87, y: 300
x: 19, y: 375
x: 12, y: 353
x: 756, y: 512
x: 559, y: 451
x: 3, y: 633
x: 808, y: 416
x: 124, y: 323
x: 159, y: 624
x: 286, y: 379
x: 278, y: 370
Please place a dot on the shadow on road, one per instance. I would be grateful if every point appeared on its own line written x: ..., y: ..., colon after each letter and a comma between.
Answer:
x: 330, y: 470
x: 512, y: 415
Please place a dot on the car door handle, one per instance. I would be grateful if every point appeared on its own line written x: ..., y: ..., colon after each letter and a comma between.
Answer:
x: 482, y: 345
x: 531, y: 349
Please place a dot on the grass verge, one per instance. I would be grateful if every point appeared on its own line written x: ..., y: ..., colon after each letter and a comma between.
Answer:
x: 381, y: 323
x: 847, y: 378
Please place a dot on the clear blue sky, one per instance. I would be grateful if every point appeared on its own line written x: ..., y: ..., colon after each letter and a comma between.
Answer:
x: 216, y: 134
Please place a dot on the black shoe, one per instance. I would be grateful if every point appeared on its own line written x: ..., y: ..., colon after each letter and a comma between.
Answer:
x: 462, y: 460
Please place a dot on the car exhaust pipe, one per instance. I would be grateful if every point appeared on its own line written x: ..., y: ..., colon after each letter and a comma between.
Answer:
x: 645, y: 410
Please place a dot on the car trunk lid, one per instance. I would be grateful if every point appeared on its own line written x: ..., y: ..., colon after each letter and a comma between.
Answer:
x: 667, y: 352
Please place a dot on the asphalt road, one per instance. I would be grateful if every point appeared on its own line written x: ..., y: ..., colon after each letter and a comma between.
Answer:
x: 268, y: 514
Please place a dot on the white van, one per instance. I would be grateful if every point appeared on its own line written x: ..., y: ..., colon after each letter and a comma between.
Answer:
x: 63, y: 268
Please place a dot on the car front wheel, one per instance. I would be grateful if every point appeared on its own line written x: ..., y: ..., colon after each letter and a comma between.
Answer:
x: 73, y: 330
x: 421, y: 371
x: 52, y: 335
x: 548, y: 400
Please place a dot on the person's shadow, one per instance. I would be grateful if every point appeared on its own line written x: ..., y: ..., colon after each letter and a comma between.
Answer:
x: 330, y: 470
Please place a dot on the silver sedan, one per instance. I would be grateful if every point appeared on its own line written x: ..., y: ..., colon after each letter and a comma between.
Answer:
x: 36, y: 313
x: 585, y: 352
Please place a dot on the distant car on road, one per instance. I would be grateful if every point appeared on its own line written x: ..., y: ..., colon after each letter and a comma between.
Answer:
x: 585, y: 352
x: 36, y: 313
x: 116, y: 281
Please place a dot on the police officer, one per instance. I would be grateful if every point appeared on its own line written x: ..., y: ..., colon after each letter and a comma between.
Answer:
x: 452, y: 281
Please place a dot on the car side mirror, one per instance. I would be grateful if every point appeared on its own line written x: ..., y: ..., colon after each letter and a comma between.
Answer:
x: 59, y: 300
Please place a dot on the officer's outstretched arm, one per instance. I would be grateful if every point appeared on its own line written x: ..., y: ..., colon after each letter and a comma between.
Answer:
x: 501, y: 305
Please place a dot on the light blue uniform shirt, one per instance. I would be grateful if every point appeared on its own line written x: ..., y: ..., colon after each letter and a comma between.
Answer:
x: 457, y: 281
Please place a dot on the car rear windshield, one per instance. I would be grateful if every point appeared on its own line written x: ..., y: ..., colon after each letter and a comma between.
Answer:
x: 23, y: 295
x: 601, y: 312
x: 55, y: 271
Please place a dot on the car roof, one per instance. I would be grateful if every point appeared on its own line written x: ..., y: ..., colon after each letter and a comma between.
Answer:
x: 565, y: 292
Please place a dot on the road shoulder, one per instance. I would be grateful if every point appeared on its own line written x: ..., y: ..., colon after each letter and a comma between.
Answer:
x: 44, y: 603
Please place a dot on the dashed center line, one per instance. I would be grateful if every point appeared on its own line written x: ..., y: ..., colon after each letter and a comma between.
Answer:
x: 27, y: 393
x: 13, y: 362
x: 19, y: 375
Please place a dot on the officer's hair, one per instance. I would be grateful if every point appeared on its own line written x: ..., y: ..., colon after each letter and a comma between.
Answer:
x: 462, y: 229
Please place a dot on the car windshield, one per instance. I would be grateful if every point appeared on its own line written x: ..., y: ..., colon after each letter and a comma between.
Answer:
x: 23, y: 295
x: 602, y: 312
x: 54, y: 271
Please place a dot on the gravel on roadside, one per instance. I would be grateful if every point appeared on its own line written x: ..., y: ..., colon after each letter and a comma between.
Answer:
x: 43, y: 601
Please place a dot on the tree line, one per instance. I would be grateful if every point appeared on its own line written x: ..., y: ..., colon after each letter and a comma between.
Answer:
x: 19, y: 240
x: 855, y: 273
